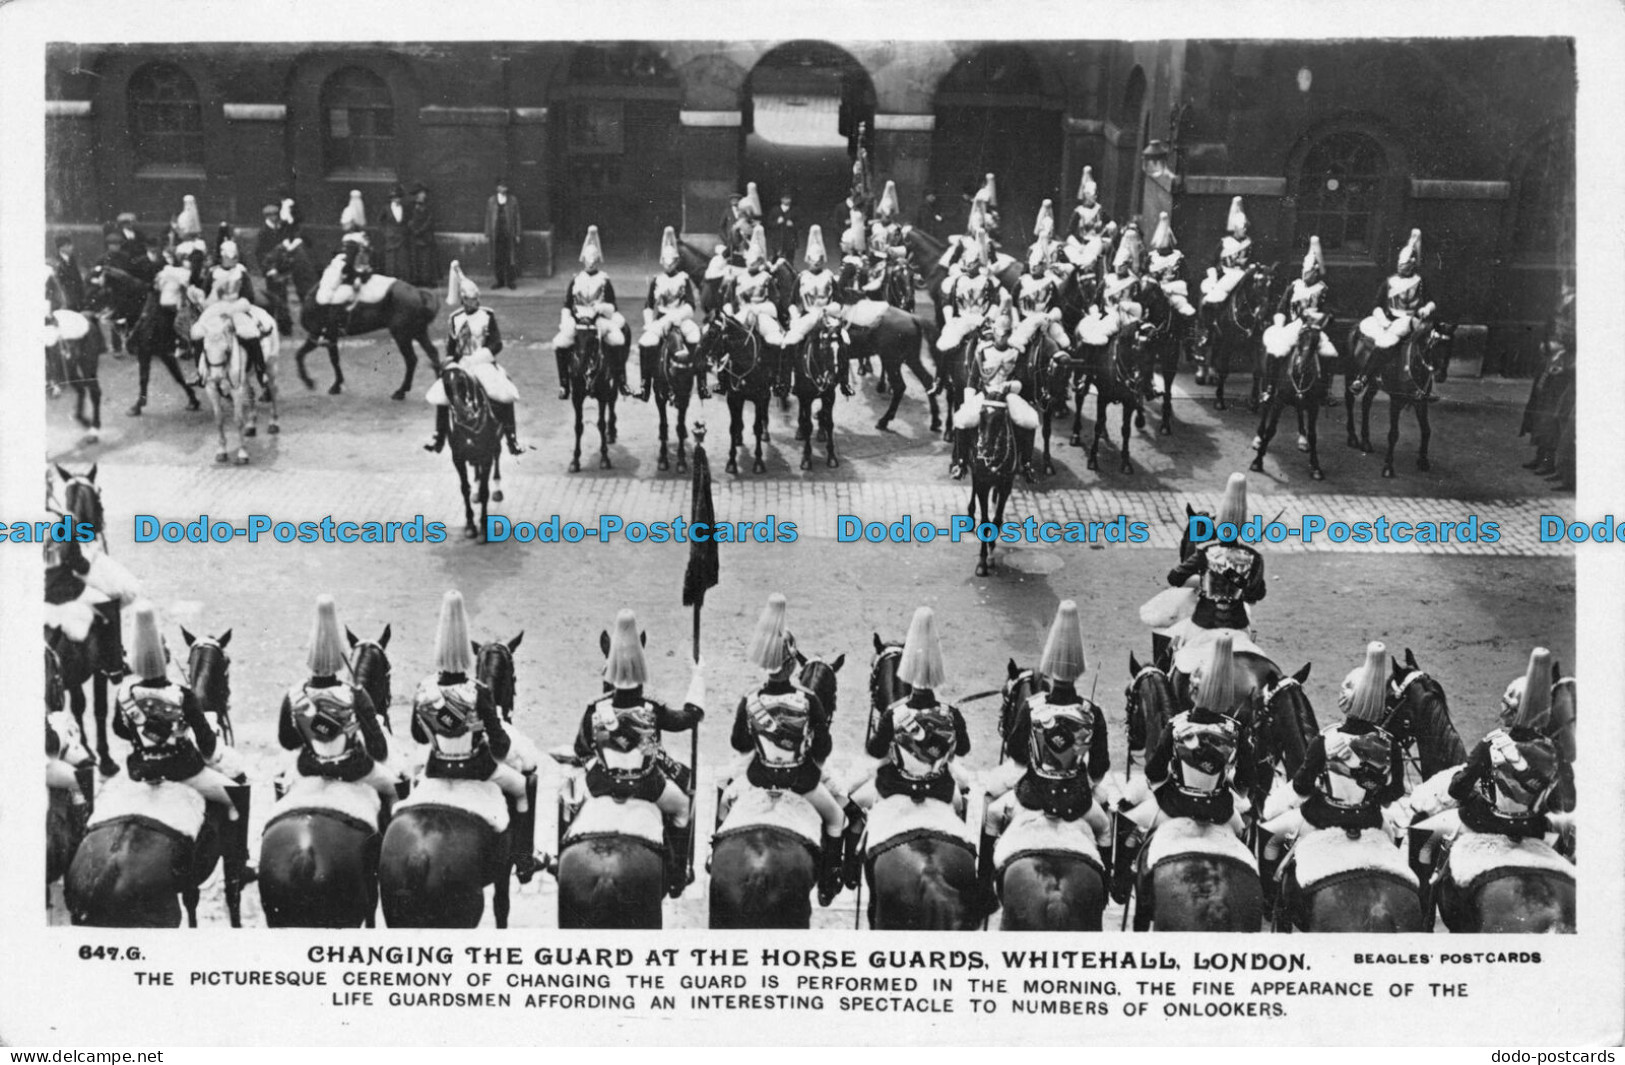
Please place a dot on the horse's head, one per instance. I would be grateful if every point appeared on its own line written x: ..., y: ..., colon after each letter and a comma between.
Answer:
x: 1187, y: 546
x: 369, y: 669
x: 1287, y: 724
x: 218, y: 337
x: 821, y: 358
x: 885, y: 687
x: 495, y: 669
x: 208, y: 672
x: 1436, y: 343
x: 1019, y: 686
x: 818, y: 677
x: 81, y: 497
x: 1148, y: 702
x: 468, y: 402
x: 1560, y: 724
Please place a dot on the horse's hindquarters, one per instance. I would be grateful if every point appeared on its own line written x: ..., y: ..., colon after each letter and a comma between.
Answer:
x: 1051, y: 892
x: 761, y: 879
x: 433, y: 867
x: 1205, y: 893
x: 126, y: 874
x: 318, y: 871
x: 927, y: 883
x: 1521, y: 901
x: 1375, y: 902
x: 611, y: 881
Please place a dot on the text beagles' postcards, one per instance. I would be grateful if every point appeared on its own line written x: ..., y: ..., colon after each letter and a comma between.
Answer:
x: 593, y: 530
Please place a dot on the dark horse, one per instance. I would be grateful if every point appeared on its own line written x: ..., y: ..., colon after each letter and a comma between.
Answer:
x: 1297, y: 379
x: 319, y: 867
x: 1056, y: 890
x: 592, y: 373
x: 1419, y: 718
x: 404, y: 311
x: 763, y: 876
x: 923, y: 881
x: 476, y: 442
x: 817, y: 370
x: 134, y: 306
x: 679, y: 372
x: 1406, y: 372
x: 433, y: 867
x: 64, y: 816
x: 128, y: 873
x: 208, y: 672
x: 99, y: 659
x: 1509, y: 899
x: 993, y: 461
x: 896, y: 339
x: 1238, y: 326
x: 744, y: 374
x: 494, y: 668
x: 1114, y: 371
x: 1188, y: 892
x: 1161, y: 346
x: 607, y: 880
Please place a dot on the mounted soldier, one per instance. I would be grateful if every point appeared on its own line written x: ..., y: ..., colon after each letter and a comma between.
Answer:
x: 1117, y: 309
x: 1202, y: 754
x: 1307, y: 301
x: 972, y: 296
x: 851, y: 279
x: 752, y: 299
x: 672, y: 303
x: 351, y: 265
x: 1166, y: 266
x: 589, y: 302
x: 862, y: 194
x: 891, y: 278
x: 231, y: 288
x: 474, y: 344
x: 619, y: 743
x: 785, y: 730
x: 1088, y: 234
x: 991, y: 383
x: 1402, y: 305
x: 331, y: 722
x: 1230, y: 575
x: 1511, y: 778
x: 1038, y: 294
x: 815, y: 305
x: 988, y: 197
x: 1233, y: 264
x: 919, y: 736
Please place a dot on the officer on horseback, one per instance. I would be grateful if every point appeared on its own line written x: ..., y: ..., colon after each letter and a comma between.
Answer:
x: 1166, y: 265
x: 1038, y: 293
x: 751, y: 299
x: 888, y: 255
x: 672, y: 303
x: 590, y: 302
x: 619, y: 741
x: 815, y: 305
x: 1232, y: 266
x: 972, y: 296
x: 919, y: 736
x: 988, y: 197
x: 1306, y: 302
x: 350, y: 267
x: 1058, y: 739
x: 1512, y: 776
x: 785, y: 730
x: 474, y: 344
x: 992, y: 381
x: 854, y: 246
x: 1116, y: 308
x: 330, y: 722
x: 453, y: 712
x: 1088, y: 229
x: 1402, y: 301
x: 1230, y: 575
x: 1202, y: 752
x: 231, y: 288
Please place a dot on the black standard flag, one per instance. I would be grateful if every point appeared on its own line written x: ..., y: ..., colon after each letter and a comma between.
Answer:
x: 701, y: 574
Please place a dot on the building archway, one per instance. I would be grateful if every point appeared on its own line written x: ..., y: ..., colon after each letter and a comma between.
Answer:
x: 996, y: 114
x: 802, y: 106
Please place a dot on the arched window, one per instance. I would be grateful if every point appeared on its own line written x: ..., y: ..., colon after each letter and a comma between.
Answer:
x: 1339, y: 193
x: 1545, y: 220
x: 358, y: 122
x: 166, y: 118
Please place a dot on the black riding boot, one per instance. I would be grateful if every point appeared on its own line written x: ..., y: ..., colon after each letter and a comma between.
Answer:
x: 561, y: 357
x: 964, y: 440
x: 986, y: 876
x: 234, y: 845
x: 1161, y: 650
x: 442, y: 427
x: 678, y: 873
x: 781, y: 372
x: 647, y: 358
x: 852, y: 858
x: 1124, y: 859
x: 504, y: 413
x: 619, y: 364
x: 829, y: 869
x: 523, y: 840
x: 1024, y: 445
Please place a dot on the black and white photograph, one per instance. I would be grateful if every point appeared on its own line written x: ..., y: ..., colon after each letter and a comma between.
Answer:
x: 583, y: 495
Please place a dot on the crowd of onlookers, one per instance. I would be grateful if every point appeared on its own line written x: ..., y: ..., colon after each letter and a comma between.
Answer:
x: 1548, y: 418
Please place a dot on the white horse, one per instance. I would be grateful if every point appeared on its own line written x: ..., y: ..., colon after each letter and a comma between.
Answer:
x: 226, y: 373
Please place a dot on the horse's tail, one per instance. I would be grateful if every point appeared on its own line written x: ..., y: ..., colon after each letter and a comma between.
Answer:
x: 941, y: 907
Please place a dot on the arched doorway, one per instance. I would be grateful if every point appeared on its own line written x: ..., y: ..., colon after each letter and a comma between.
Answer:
x: 615, y: 136
x: 994, y: 115
x: 803, y: 104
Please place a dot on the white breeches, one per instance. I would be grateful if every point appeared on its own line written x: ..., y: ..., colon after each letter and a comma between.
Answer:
x: 1279, y: 340
x: 499, y: 388
x: 680, y: 319
x: 1217, y: 289
x: 1178, y: 293
x: 958, y: 327
x: 611, y: 330
x: 1097, y: 329
x: 969, y: 414
x: 1030, y: 326
x: 802, y: 323
x: 764, y: 318
x: 1386, y: 331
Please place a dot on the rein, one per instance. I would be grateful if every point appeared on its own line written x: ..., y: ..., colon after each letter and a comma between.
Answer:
x: 502, y: 651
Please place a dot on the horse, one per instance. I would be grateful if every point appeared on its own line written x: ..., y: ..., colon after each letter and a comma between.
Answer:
x: 227, y: 378
x: 762, y: 876
x: 494, y: 667
x: 1406, y: 372
x: 1508, y: 899
x: 1418, y: 717
x: 208, y: 672
x: 1046, y: 890
x: 744, y: 374
x: 993, y: 461
x: 65, y: 814
x: 69, y: 350
x: 123, y: 295
x: 895, y: 338
x: 1238, y: 326
x: 817, y: 370
x: 679, y: 372
x: 1059, y: 380
x: 433, y: 866
x: 1161, y: 346
x: 476, y: 442
x: 319, y: 866
x: 1300, y: 380
x: 1114, y: 371
x: 607, y: 879
x: 152, y: 336
x: 404, y: 311
x: 99, y: 658
x: 592, y: 374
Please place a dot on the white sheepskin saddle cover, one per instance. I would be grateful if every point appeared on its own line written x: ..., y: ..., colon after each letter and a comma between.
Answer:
x: 357, y: 801
x: 866, y: 314
x: 897, y: 815
x: 1169, y: 607
x: 1184, y: 835
x: 1034, y: 830
x: 481, y: 798
x: 70, y: 325
x: 766, y: 808
x: 1477, y: 854
x: 603, y: 816
x: 1195, y: 645
x: 176, y: 806
x: 1328, y: 852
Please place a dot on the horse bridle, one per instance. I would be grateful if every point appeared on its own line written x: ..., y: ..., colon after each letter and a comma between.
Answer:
x: 355, y: 678
x: 891, y: 650
x: 85, y: 483
x: 222, y: 713
x: 467, y: 414
x: 821, y: 340
x: 727, y: 365
x: 504, y: 652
